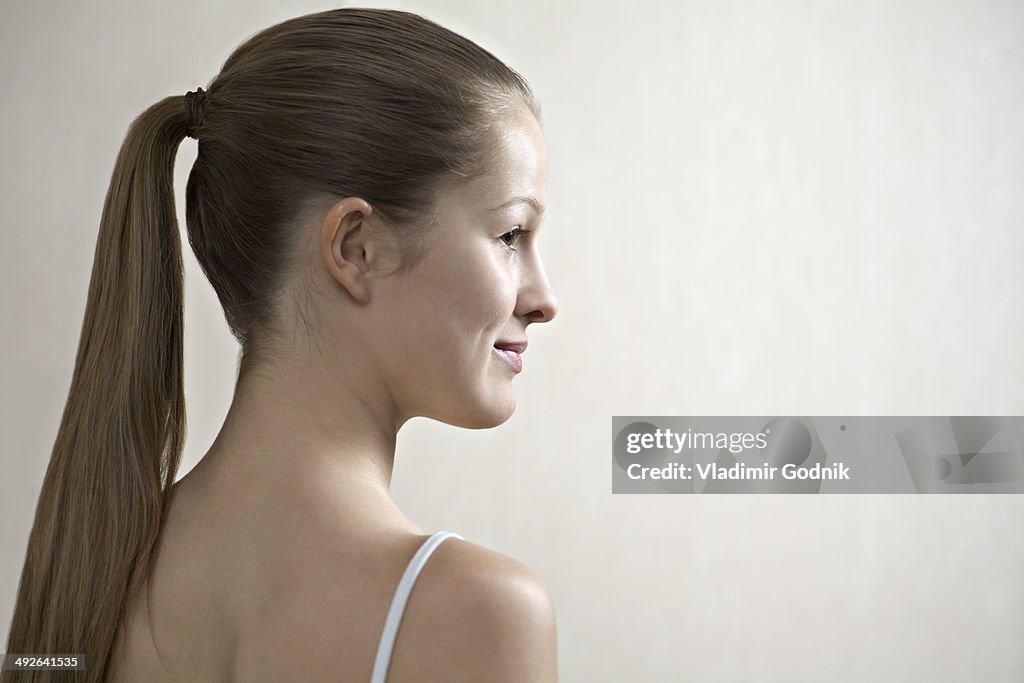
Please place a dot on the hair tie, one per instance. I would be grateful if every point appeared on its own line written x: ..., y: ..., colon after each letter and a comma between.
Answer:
x: 194, y: 110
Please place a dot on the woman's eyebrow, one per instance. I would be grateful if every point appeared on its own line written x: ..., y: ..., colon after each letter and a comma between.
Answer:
x: 523, y: 199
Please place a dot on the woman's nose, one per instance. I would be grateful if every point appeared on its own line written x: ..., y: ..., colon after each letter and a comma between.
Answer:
x: 537, y: 301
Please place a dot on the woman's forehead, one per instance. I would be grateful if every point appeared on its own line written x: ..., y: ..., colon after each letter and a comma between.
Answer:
x: 516, y: 170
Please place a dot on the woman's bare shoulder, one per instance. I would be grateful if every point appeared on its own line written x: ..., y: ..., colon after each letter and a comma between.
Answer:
x: 476, y: 614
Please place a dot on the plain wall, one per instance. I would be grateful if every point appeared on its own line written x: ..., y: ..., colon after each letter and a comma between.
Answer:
x: 765, y: 208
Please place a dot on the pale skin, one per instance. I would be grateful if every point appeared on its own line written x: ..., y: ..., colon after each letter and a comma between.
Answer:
x: 283, y: 546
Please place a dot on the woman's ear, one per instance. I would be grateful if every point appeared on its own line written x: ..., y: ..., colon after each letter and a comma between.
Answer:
x: 349, y: 248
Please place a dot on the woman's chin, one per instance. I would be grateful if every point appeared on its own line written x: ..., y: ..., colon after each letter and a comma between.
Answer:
x: 487, y: 414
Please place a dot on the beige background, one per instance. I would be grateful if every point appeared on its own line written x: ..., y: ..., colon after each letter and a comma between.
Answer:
x: 791, y: 208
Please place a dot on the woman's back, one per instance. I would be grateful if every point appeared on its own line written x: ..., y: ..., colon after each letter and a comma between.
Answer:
x: 241, y: 593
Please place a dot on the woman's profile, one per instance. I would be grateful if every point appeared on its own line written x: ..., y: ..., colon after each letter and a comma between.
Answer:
x: 365, y: 203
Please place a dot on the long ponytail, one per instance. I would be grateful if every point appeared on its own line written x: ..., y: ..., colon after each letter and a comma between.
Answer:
x: 114, y: 460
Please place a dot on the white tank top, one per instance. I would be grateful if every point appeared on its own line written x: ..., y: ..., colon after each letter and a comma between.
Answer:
x: 394, y: 618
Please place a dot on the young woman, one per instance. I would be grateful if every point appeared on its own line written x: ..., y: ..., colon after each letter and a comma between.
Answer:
x: 365, y: 202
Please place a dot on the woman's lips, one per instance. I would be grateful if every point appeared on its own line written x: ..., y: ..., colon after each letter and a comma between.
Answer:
x: 513, y: 358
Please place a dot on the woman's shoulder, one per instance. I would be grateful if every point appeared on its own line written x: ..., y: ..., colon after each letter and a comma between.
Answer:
x: 472, y: 576
x: 475, y: 614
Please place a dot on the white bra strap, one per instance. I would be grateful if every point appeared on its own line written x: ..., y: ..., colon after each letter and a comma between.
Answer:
x: 394, y: 618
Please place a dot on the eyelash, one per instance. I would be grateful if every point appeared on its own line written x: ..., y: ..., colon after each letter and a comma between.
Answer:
x: 517, y: 232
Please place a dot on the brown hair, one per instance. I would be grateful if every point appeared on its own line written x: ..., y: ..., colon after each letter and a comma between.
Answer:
x: 379, y: 104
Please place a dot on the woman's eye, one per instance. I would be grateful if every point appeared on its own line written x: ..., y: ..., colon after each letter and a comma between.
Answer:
x: 511, y: 237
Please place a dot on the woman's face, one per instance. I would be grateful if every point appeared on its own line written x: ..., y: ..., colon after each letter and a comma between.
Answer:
x: 480, y: 283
